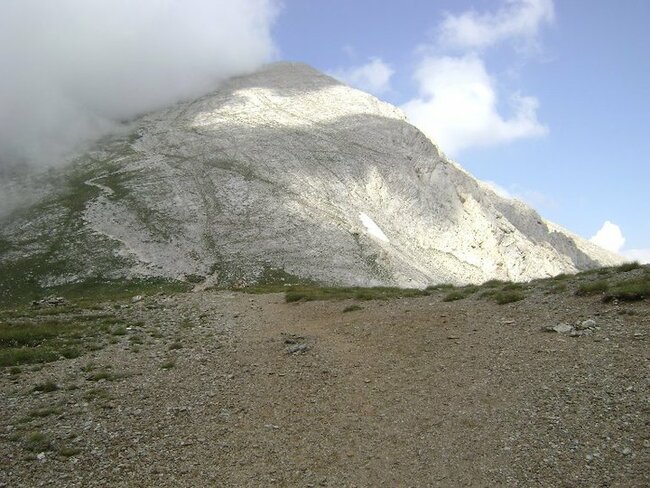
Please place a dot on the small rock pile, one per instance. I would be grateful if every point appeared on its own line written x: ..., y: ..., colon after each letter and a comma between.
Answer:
x: 579, y: 329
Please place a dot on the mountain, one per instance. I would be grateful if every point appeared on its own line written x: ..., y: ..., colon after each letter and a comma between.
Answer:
x: 282, y: 173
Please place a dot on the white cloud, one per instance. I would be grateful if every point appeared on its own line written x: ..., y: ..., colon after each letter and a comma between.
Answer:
x: 72, y: 69
x: 457, y: 106
x: 373, y: 77
x: 609, y: 237
x: 458, y: 102
x: 640, y: 255
x: 517, y: 19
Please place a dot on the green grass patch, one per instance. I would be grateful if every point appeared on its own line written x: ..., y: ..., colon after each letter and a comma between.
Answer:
x: 40, y: 413
x: 623, y: 268
x: 20, y: 285
x: 119, y: 331
x: 104, y: 375
x: 460, y: 293
x: 494, y: 283
x: 510, y: 296
x: 489, y: 293
x: 593, y: 271
x: 169, y: 364
x: 592, y: 288
x: 136, y: 339
x: 513, y: 287
x: 33, y: 340
x: 440, y: 287
x: 274, y: 280
x: 10, y: 357
x: 629, y: 291
x: 46, y: 387
x: 37, y: 442
x: 352, y: 308
x: 454, y: 295
x: 562, y: 277
x: 16, y: 335
x: 97, y: 394
x: 557, y: 288
x: 187, y: 324
x: 68, y: 451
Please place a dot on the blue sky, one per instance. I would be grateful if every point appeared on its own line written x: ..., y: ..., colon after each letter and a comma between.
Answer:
x: 549, y: 101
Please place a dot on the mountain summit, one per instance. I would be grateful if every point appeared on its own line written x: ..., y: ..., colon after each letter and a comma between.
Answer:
x: 282, y: 172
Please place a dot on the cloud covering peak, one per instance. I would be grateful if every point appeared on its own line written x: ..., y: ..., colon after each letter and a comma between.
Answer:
x: 72, y: 69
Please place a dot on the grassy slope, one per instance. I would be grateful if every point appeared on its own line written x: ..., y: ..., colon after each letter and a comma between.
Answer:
x: 31, y: 335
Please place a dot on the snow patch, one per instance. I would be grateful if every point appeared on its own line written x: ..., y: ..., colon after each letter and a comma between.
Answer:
x: 373, y: 229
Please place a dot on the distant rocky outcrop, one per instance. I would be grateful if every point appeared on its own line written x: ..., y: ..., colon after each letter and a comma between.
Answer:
x: 285, y: 172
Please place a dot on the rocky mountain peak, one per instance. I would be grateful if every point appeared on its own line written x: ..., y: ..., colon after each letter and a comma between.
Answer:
x: 284, y: 171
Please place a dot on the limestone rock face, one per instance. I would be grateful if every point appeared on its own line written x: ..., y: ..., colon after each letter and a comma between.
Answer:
x: 286, y: 169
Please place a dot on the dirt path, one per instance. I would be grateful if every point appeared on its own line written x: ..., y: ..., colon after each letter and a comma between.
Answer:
x: 407, y: 392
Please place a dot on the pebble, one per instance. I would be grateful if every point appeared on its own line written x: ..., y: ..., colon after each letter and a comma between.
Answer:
x: 298, y: 349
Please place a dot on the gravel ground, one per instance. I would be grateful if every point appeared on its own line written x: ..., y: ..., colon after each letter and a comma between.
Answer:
x: 228, y: 389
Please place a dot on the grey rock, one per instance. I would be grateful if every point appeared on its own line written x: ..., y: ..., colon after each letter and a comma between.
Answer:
x: 298, y: 349
x: 559, y: 328
x: 586, y: 324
